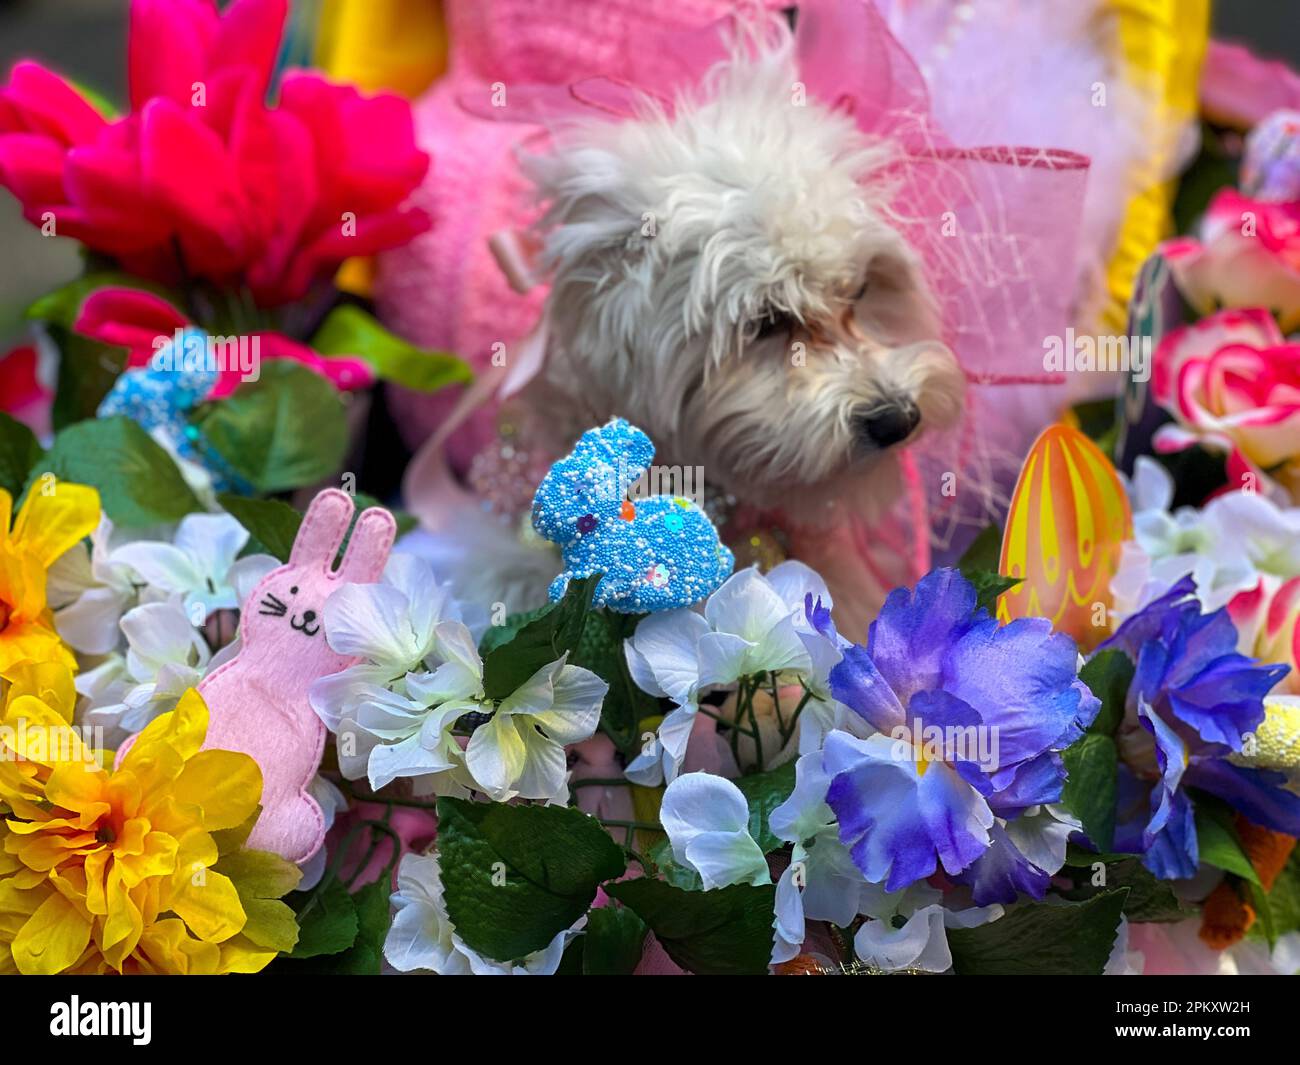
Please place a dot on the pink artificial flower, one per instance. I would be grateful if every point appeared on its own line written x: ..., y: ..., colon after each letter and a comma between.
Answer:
x: 22, y: 395
x: 1248, y: 256
x: 1232, y: 382
x: 1268, y: 626
x: 139, y: 321
x: 201, y: 179
x: 1239, y: 89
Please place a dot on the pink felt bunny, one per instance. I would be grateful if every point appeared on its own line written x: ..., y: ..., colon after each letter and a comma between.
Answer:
x: 257, y: 702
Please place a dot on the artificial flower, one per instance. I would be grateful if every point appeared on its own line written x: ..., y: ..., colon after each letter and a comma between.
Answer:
x: 1268, y: 624
x: 754, y: 623
x: 423, y: 939
x: 23, y: 395
x: 971, y: 718
x: 519, y: 751
x: 1270, y: 167
x: 1193, y: 701
x: 165, y: 657
x: 119, y: 871
x: 707, y: 822
x: 1232, y: 383
x: 1229, y: 546
x: 53, y: 517
x: 90, y: 591
x: 395, y: 713
x: 1248, y: 256
x: 201, y: 566
x: 135, y: 319
x: 201, y: 179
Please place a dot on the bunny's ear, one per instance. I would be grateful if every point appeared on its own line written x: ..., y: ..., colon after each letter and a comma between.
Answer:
x: 368, y: 548
x: 322, y: 530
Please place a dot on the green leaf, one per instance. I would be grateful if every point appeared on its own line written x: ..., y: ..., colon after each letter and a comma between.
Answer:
x: 271, y: 523
x: 714, y: 933
x: 285, y: 430
x: 351, y: 331
x: 1089, y: 793
x: 680, y: 876
x: 500, y: 635
x: 544, y: 639
x: 984, y: 553
x: 1266, y: 922
x: 765, y: 792
x: 87, y: 370
x: 1041, y: 939
x: 137, y: 480
x: 327, y: 920
x: 1284, y: 898
x: 1108, y: 674
x: 1217, y: 841
x: 516, y: 876
x: 1149, y: 899
x: 988, y: 586
x: 19, y: 452
x: 63, y: 306
x: 613, y: 943
x: 365, y: 956
x: 601, y: 651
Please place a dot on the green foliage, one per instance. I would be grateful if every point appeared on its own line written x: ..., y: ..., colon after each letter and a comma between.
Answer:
x: 515, y: 876
x: 137, y: 480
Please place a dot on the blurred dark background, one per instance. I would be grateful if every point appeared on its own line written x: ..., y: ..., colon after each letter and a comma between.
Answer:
x: 85, y: 40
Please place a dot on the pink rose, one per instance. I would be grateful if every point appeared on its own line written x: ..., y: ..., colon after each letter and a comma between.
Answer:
x: 1232, y: 382
x: 1249, y: 256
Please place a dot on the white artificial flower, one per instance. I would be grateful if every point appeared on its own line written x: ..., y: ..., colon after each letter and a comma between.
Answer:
x: 921, y: 943
x: 1227, y: 546
x: 821, y: 883
x: 394, y: 713
x: 332, y: 802
x: 90, y: 590
x: 199, y: 565
x: 707, y: 821
x: 752, y: 624
x: 423, y: 939
x: 389, y: 626
x: 165, y: 657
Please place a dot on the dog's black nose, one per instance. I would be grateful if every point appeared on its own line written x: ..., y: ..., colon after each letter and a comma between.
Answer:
x: 309, y: 616
x: 891, y: 425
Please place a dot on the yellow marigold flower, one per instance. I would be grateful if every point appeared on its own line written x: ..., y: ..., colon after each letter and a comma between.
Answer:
x: 49, y: 523
x: 137, y: 869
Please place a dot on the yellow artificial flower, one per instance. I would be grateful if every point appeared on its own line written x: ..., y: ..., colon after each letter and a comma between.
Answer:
x: 138, y: 869
x: 54, y: 516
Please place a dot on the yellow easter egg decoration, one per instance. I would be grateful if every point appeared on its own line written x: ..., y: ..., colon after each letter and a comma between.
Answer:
x: 1068, y: 518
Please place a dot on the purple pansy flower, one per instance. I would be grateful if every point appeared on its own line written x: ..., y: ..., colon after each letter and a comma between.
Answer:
x: 970, y: 719
x: 1193, y: 700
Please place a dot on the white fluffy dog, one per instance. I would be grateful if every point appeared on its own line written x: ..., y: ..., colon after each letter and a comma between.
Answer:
x: 726, y: 278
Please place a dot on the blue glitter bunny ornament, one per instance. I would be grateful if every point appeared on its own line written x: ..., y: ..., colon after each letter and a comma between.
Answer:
x: 657, y: 553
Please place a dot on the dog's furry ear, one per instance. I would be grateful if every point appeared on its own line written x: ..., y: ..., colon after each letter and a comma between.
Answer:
x: 592, y: 211
x: 898, y: 307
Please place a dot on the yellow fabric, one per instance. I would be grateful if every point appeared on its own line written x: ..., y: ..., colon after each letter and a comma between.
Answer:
x: 383, y: 44
x: 1163, y: 44
x: 399, y: 45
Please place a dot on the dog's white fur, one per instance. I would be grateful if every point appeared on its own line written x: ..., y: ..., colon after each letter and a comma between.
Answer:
x: 668, y: 241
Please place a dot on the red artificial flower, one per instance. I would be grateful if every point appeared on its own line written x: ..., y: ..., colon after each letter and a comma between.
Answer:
x: 202, y: 179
